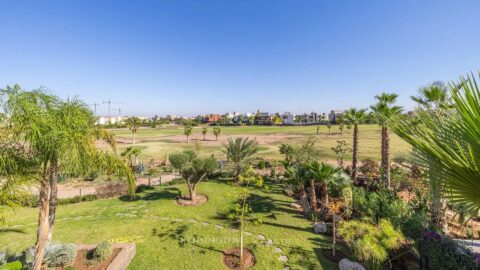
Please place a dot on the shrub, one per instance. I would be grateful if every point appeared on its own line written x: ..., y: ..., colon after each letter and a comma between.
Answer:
x: 102, y: 251
x: 261, y: 164
x: 439, y: 252
x: 141, y: 188
x: 371, y: 243
x: 27, y: 258
x: 17, y: 265
x: 60, y: 255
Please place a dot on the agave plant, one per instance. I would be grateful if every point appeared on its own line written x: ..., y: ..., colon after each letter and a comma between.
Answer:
x: 448, y: 142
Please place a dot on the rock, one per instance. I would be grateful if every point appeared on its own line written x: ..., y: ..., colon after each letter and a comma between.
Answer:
x: 320, y: 227
x: 247, y: 233
x: 286, y: 268
x: 260, y: 237
x: 346, y: 264
x: 218, y: 227
x: 283, y: 259
x: 278, y: 250
x: 269, y: 243
x: 296, y: 206
x: 205, y: 223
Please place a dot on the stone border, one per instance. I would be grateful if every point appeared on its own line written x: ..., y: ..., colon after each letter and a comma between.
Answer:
x: 123, y: 258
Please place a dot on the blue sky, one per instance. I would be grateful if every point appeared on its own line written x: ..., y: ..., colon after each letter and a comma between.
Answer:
x: 189, y: 57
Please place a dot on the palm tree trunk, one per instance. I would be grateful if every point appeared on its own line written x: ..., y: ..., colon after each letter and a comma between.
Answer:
x: 133, y: 141
x: 43, y: 226
x: 313, y: 197
x: 355, y: 153
x: 385, y: 157
x: 325, y: 194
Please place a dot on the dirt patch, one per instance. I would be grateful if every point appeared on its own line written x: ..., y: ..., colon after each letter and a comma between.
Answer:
x: 83, y: 262
x: 231, y: 259
x: 327, y: 253
x: 199, y: 200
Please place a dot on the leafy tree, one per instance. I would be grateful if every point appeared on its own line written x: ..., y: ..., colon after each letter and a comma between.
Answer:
x: 204, y: 132
x: 196, y: 171
x: 60, y: 135
x: 287, y: 151
x: 277, y: 120
x: 341, y: 151
x: 306, y: 152
x: 371, y: 243
x: 355, y: 117
x: 318, y: 129
x: 187, y: 130
x: 216, y: 132
x: 329, y: 126
x: 238, y: 151
x: 133, y: 123
x: 383, y: 112
x: 447, y: 145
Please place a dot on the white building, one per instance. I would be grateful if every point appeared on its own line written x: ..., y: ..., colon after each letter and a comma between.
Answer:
x: 334, y: 114
x: 288, y: 118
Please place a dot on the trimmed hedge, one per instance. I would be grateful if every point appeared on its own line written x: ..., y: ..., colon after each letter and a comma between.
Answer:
x: 439, y: 252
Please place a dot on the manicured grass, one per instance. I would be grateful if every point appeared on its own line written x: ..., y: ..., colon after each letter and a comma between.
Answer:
x: 158, y: 225
x: 159, y: 142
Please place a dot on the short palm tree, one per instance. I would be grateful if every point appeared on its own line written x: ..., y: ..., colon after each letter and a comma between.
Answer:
x: 355, y: 117
x: 59, y: 137
x: 204, y: 132
x: 327, y: 175
x: 237, y: 151
x: 384, y: 111
x: 133, y: 123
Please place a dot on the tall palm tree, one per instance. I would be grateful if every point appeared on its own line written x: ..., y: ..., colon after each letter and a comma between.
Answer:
x: 383, y: 112
x: 355, y: 117
x: 59, y: 135
x: 433, y: 96
x: 238, y: 151
x: 133, y: 123
x: 447, y: 143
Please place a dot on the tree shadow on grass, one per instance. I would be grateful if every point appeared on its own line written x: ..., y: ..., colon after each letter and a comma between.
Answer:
x: 169, y: 193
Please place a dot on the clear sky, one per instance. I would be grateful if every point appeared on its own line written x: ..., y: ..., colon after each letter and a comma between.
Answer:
x: 189, y: 57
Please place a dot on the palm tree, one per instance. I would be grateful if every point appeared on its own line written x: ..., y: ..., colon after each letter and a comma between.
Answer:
x: 296, y: 175
x: 327, y: 175
x: 238, y: 151
x: 447, y: 144
x: 383, y: 112
x: 59, y: 135
x: 355, y: 117
x: 133, y: 123
x: 433, y: 96
x: 204, y: 132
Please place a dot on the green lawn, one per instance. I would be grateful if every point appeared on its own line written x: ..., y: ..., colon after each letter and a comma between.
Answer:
x: 159, y: 142
x: 157, y: 224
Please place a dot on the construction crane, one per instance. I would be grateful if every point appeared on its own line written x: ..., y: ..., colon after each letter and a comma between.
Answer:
x: 94, y: 105
x: 109, y: 102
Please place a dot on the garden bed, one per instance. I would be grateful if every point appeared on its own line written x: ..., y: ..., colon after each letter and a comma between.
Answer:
x: 231, y: 259
x: 200, y: 199
x: 120, y: 258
